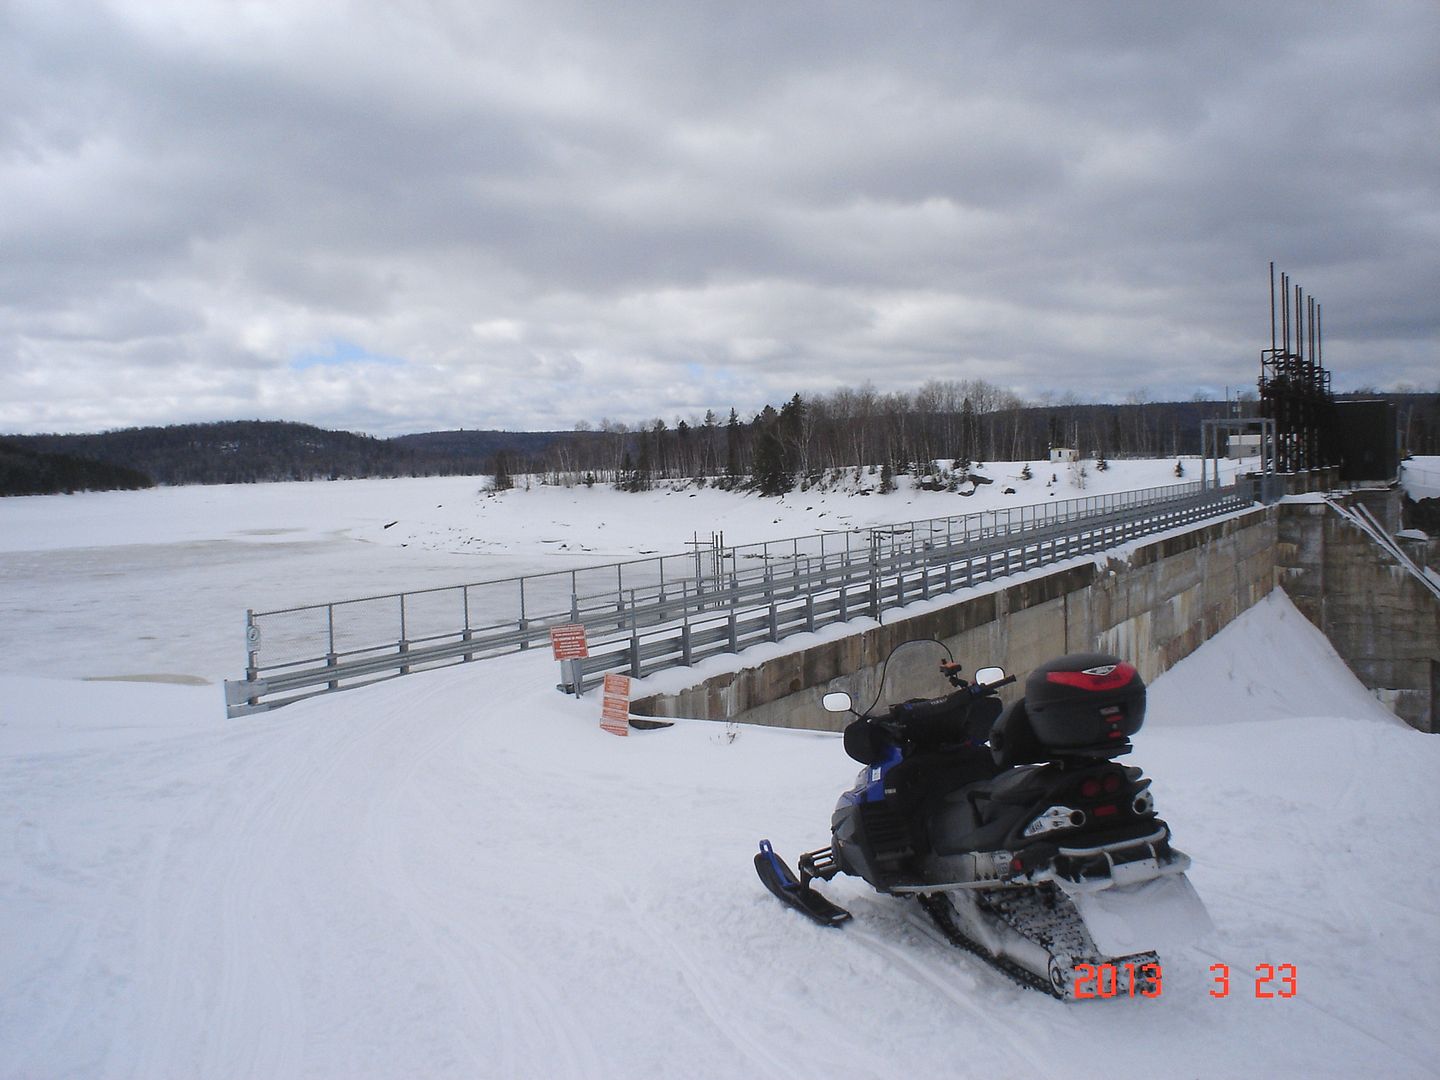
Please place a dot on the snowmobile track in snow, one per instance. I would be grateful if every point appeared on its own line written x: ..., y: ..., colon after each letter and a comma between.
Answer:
x: 939, y: 910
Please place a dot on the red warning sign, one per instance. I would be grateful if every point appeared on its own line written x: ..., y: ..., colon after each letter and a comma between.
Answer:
x: 615, y: 705
x: 568, y: 642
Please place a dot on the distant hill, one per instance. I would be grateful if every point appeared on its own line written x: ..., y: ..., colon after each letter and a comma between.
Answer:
x: 254, y: 451
x: 482, y: 446
x: 26, y: 471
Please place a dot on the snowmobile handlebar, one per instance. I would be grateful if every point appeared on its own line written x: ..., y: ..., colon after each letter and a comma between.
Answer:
x: 981, y: 689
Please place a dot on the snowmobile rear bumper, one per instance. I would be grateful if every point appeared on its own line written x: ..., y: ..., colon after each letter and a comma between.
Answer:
x: 1117, y: 865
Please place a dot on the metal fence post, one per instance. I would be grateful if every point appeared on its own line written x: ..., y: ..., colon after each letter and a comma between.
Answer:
x: 252, y: 652
x: 404, y: 642
x: 330, y: 657
x: 770, y: 599
x: 524, y: 623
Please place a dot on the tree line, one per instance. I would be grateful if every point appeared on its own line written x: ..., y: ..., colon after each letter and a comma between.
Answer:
x: 959, y: 422
x: 963, y: 422
x: 807, y: 439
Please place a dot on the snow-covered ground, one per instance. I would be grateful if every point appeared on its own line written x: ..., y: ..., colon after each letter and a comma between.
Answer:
x: 459, y: 874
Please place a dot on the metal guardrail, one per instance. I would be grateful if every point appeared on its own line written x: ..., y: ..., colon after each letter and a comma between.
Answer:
x: 647, y: 614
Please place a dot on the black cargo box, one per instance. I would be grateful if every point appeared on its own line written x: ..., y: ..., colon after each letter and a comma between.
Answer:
x: 1085, y: 701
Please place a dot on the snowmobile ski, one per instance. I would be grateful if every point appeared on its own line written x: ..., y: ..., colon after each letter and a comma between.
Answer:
x: 781, y: 881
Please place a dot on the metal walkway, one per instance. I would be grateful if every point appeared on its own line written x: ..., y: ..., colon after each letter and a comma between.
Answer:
x: 648, y: 614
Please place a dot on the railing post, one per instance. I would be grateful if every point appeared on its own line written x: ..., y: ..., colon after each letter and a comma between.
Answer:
x: 252, y: 652
x: 874, y: 576
x: 404, y: 642
x: 770, y: 599
x: 330, y: 657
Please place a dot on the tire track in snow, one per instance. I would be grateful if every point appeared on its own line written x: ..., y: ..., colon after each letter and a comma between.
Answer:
x: 458, y: 936
x: 246, y: 1011
x: 728, y: 1021
x: 983, y: 1016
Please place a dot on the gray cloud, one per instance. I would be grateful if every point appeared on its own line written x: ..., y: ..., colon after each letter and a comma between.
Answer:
x: 552, y: 212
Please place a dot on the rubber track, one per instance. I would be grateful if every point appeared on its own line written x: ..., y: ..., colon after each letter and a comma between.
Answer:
x: 939, y: 910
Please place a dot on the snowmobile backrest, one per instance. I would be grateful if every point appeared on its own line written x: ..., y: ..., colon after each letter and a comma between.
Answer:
x: 1013, y: 741
x: 981, y: 719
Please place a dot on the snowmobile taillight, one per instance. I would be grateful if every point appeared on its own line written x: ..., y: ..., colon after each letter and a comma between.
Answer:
x: 1093, y: 786
x: 1105, y: 677
x: 1108, y: 810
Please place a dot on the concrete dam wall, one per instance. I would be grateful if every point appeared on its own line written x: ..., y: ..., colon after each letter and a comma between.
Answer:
x: 1380, y: 617
x: 1153, y: 607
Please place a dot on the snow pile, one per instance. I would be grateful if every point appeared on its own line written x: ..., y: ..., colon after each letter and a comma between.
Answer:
x: 1420, y: 478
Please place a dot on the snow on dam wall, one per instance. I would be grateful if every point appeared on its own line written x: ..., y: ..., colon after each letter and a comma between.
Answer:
x: 1153, y: 605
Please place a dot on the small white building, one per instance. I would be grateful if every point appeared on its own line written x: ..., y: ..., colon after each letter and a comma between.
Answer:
x: 1243, y: 446
x: 1059, y: 455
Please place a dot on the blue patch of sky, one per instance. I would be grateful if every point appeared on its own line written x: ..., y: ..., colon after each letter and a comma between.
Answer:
x: 337, y: 352
x: 715, y: 376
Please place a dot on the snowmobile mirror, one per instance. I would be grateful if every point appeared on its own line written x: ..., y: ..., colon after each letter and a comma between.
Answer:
x: 989, y: 676
x: 836, y: 702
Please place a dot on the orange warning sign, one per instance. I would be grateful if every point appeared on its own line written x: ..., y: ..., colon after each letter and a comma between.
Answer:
x: 615, y: 706
x: 568, y: 642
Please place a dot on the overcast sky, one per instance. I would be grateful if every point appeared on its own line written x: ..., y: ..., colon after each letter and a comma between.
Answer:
x: 454, y: 213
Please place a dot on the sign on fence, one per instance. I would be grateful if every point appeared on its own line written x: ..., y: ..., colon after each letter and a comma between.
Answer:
x: 615, y: 707
x: 568, y: 642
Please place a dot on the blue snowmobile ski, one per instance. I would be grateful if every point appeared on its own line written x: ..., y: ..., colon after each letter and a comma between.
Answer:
x: 798, y: 894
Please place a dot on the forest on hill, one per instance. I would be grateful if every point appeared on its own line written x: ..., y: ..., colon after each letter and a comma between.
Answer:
x: 801, y: 439
x: 26, y: 471
x: 254, y: 451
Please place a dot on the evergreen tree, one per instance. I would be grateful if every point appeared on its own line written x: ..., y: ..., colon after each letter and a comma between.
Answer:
x: 732, y: 448
x: 771, y: 475
x: 503, y: 481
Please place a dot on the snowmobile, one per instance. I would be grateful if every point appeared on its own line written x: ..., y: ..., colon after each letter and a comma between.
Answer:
x: 1015, y: 828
